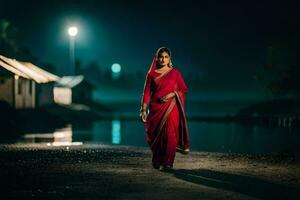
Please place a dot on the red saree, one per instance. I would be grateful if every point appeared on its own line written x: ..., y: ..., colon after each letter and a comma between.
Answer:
x: 166, y: 126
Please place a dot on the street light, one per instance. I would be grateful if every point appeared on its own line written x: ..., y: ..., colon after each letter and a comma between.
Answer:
x: 72, y: 31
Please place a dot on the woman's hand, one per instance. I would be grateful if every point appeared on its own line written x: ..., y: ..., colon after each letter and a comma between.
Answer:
x: 163, y: 99
x: 143, y: 116
x: 167, y: 97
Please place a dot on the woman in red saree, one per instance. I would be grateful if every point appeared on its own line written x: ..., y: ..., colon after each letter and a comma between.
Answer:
x: 164, y: 96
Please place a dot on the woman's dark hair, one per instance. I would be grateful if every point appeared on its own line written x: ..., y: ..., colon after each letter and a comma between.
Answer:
x: 163, y: 49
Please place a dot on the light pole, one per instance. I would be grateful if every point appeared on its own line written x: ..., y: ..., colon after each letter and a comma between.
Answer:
x: 72, y: 31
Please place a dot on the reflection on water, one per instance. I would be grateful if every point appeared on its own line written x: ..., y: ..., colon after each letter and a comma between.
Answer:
x: 116, y: 132
x: 231, y: 137
x: 61, y: 137
x: 204, y: 136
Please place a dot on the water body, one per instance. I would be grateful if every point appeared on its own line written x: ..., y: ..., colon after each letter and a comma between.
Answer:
x: 204, y: 136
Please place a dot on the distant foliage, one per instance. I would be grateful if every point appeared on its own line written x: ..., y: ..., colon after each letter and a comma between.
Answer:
x: 9, y: 39
x: 11, y: 42
x: 281, y: 75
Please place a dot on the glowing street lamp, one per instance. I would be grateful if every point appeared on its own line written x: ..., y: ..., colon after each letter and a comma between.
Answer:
x: 72, y: 31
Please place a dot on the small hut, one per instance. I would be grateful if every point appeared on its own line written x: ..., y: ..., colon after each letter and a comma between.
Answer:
x: 18, y: 82
x: 72, y: 89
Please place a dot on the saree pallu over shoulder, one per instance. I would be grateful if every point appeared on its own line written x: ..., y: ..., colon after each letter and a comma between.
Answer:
x: 183, y: 136
x: 162, y: 74
x: 180, y: 93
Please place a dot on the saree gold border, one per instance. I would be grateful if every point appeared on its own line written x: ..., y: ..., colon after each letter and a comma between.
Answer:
x: 166, y: 114
x: 181, y: 106
x: 178, y: 97
x: 166, y: 72
x: 165, y: 118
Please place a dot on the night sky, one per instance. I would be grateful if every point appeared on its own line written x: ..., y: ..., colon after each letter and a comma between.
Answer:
x: 223, y: 41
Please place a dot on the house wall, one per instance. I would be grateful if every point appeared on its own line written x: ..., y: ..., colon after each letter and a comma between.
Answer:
x: 6, y: 89
x: 30, y: 94
x: 44, y: 94
x: 62, y: 95
x: 24, y: 90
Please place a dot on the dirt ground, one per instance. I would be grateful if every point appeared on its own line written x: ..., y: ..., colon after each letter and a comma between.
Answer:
x: 97, y: 171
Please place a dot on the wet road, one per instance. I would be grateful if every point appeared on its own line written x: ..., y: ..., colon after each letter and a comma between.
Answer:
x: 96, y: 171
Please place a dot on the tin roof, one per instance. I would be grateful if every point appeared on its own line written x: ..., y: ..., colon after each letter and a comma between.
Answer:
x: 69, y: 81
x: 27, y: 70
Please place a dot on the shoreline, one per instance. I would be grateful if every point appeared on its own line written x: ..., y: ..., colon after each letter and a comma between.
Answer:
x: 95, y: 171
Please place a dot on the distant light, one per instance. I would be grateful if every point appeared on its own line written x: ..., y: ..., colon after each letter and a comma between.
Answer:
x: 116, y: 68
x: 73, y: 30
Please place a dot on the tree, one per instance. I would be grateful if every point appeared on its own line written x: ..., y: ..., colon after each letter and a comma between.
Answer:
x: 8, y: 38
x: 280, y: 76
x: 11, y: 44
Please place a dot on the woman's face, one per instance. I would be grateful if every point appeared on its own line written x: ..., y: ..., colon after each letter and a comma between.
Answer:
x: 164, y: 59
